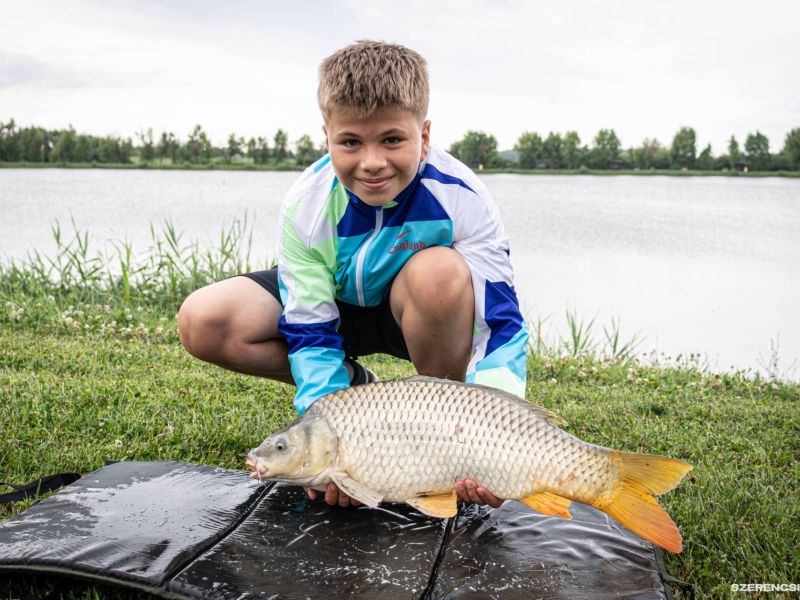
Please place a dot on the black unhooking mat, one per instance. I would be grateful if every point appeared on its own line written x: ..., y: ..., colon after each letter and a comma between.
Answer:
x: 181, y: 530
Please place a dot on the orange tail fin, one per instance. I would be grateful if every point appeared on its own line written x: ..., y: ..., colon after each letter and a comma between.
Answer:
x: 631, y: 502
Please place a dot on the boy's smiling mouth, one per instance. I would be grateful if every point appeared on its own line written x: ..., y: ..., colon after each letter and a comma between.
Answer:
x: 375, y: 183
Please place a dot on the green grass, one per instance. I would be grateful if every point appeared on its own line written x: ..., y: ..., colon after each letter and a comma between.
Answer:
x: 91, y: 370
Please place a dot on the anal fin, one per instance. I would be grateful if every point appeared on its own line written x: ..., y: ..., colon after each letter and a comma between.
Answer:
x: 548, y: 503
x: 440, y: 506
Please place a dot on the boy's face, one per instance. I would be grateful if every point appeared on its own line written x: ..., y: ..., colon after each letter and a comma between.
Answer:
x: 376, y: 157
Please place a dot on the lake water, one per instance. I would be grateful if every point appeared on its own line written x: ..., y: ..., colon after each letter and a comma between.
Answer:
x: 707, y: 265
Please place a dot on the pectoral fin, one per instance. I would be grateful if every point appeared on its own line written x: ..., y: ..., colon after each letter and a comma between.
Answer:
x: 440, y: 506
x: 357, y: 490
x: 548, y: 504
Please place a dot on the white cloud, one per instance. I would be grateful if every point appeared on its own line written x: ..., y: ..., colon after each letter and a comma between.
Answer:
x: 644, y: 69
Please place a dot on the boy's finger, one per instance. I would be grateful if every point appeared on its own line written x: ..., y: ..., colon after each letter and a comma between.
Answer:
x: 472, y: 491
x: 312, y: 494
x: 332, y: 494
x: 461, y: 491
x: 488, y: 497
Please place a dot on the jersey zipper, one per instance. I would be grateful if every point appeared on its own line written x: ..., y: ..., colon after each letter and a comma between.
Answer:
x: 362, y: 253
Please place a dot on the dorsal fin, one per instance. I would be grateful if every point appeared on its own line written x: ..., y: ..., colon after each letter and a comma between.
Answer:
x: 544, y: 413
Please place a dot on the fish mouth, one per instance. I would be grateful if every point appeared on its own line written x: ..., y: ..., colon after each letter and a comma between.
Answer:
x: 259, y: 469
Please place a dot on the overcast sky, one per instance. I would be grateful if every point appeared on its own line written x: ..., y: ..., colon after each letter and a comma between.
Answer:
x: 507, y: 66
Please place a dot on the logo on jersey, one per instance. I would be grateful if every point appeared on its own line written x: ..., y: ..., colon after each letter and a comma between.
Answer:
x: 405, y: 244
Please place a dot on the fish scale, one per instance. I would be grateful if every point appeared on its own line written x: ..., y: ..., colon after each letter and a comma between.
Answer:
x: 468, y: 433
x: 410, y: 441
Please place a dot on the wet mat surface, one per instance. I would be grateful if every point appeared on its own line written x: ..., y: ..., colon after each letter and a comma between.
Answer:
x: 513, y: 552
x: 296, y: 549
x: 139, y: 521
x: 183, y: 530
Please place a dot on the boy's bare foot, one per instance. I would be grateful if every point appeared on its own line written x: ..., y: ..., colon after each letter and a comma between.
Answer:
x: 467, y: 490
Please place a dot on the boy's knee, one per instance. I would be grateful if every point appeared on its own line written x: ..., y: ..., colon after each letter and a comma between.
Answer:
x: 439, y: 281
x: 196, y: 324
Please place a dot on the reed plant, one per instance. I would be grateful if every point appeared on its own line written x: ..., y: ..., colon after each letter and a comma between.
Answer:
x: 81, y: 285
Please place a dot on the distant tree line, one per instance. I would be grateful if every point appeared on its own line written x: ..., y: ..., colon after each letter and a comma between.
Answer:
x: 556, y: 151
x: 38, y: 145
x: 532, y: 150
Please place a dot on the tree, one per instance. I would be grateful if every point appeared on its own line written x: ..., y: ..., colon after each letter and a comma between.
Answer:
x: 476, y: 148
x: 35, y: 144
x: 606, y: 148
x: 198, y: 146
x: 64, y: 149
x: 305, y: 152
x: 530, y: 148
x: 571, y: 150
x: 125, y: 150
x: 280, y: 152
x: 684, y: 150
x: 551, y: 150
x: 705, y: 161
x: 148, y: 146
x: 651, y: 155
x: 262, y: 151
x: 757, y: 147
x: 234, y: 147
x: 168, y: 146
x: 791, y: 148
x: 733, y: 152
x: 9, y: 144
x: 252, y: 148
x: 85, y: 149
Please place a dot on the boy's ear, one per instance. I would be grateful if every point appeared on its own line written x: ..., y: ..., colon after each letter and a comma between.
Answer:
x: 426, y: 140
x: 325, y: 131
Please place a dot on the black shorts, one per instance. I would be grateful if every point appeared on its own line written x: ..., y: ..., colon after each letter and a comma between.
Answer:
x: 365, y: 329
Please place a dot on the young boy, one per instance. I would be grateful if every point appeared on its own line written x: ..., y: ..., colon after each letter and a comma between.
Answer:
x: 387, y: 244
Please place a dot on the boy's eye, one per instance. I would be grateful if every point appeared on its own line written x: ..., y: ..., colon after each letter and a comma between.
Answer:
x: 350, y: 143
x: 392, y: 140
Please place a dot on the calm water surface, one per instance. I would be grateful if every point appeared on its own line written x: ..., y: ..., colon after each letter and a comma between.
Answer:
x: 706, y: 264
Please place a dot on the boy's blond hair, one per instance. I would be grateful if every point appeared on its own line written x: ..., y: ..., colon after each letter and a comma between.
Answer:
x: 369, y: 75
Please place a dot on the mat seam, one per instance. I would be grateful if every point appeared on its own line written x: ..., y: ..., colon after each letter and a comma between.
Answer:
x: 432, y: 577
x: 213, y: 541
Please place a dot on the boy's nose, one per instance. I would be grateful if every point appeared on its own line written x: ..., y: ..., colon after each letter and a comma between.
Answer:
x: 373, y: 160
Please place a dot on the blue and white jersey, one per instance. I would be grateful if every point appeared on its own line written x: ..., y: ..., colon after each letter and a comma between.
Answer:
x: 334, y: 246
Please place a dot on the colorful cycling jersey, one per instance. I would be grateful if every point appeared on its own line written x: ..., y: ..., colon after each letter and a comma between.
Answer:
x: 334, y: 246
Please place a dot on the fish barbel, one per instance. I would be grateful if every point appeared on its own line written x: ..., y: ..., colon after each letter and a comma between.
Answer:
x: 410, y: 440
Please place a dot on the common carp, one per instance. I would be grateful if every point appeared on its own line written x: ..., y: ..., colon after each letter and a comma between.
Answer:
x: 410, y: 440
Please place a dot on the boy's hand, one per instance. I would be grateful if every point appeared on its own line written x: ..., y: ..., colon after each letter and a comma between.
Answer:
x: 333, y: 496
x: 467, y: 491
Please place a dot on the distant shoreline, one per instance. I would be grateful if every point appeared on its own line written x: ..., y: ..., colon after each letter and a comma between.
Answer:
x: 285, y: 167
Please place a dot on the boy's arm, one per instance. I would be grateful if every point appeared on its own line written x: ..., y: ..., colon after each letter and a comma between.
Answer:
x: 500, y: 335
x: 310, y: 316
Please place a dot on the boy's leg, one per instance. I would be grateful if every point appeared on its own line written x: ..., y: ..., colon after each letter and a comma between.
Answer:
x: 432, y: 301
x: 234, y: 324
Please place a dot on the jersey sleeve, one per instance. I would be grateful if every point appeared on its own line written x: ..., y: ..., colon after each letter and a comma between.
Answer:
x: 310, y: 316
x: 500, y: 335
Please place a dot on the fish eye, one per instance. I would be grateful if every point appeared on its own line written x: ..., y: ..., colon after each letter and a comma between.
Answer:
x: 280, y: 445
